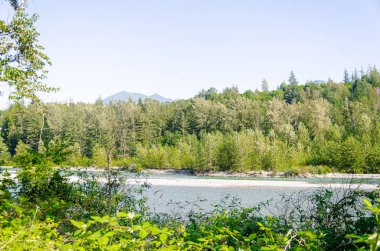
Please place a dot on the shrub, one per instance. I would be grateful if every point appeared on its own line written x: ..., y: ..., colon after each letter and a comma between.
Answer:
x: 4, y: 153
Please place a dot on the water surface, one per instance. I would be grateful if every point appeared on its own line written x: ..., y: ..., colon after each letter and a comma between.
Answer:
x: 171, y: 193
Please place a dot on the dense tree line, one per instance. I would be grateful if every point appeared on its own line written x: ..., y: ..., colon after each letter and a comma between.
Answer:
x: 336, y: 125
x: 41, y: 208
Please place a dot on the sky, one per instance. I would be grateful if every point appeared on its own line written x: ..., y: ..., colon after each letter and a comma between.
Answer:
x: 177, y: 47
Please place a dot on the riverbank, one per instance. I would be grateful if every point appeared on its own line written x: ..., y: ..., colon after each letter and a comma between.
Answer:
x: 249, y: 174
x: 181, y: 182
x: 186, y: 178
x: 260, y: 174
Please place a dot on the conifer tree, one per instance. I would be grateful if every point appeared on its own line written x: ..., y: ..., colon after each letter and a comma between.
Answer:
x: 4, y: 153
x: 264, y: 85
x: 346, y: 77
x: 292, y: 79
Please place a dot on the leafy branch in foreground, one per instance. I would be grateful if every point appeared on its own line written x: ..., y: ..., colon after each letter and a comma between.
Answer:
x: 227, y: 229
x: 22, y: 61
x: 371, y: 240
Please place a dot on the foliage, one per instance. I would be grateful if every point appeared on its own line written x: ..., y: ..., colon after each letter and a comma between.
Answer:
x: 371, y: 240
x: 228, y: 227
x: 22, y: 61
x: 331, y: 213
x: 4, y: 153
x: 283, y: 130
x: 322, y: 125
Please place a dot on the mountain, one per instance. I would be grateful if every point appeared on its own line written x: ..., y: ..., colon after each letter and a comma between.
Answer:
x: 125, y: 96
x: 319, y: 81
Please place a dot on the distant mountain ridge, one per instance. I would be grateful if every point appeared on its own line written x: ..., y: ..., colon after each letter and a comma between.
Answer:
x: 125, y: 96
x: 319, y: 82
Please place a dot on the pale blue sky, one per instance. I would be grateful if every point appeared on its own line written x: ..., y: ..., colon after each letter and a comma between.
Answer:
x: 178, y: 47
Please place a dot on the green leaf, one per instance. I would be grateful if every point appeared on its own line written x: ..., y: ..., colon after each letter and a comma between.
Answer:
x: 109, y: 233
x: 143, y: 233
x: 373, y: 236
x: 252, y: 236
x: 95, y: 235
x: 353, y: 236
x: 103, y: 240
x: 163, y: 237
x: 78, y: 224
x: 367, y: 202
x: 155, y: 230
x: 122, y: 215
x: 146, y: 224
x: 78, y: 232
x: 105, y: 219
x: 96, y: 218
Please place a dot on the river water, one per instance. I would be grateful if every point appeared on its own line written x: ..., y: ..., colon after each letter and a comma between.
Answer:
x: 177, y: 199
x: 172, y: 193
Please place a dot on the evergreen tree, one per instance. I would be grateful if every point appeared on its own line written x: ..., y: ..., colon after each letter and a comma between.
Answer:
x: 346, y: 77
x: 356, y: 77
x: 4, y: 153
x: 230, y: 92
x: 352, y: 77
x: 209, y: 94
x: 99, y: 101
x: 362, y: 74
x: 293, y: 126
x: 99, y: 156
x: 374, y: 77
x: 264, y: 85
x: 23, y: 155
x: 292, y: 79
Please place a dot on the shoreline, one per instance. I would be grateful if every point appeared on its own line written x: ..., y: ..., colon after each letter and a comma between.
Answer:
x: 259, y: 174
x: 213, y: 179
x: 218, y: 183
x: 249, y: 174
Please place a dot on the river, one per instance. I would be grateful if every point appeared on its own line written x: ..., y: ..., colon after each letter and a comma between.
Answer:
x: 172, y: 193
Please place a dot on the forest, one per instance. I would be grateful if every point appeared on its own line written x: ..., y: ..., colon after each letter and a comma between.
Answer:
x: 315, y: 127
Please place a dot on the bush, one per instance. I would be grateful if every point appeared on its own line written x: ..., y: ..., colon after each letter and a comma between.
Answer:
x: 331, y: 214
x: 23, y: 156
x: 89, y: 215
x: 4, y: 153
x: 353, y: 156
x: 128, y: 163
x: 373, y: 160
x: 99, y: 156
x: 227, y: 227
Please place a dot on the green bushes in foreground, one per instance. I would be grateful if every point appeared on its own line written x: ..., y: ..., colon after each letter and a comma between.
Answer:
x: 120, y: 233
x: 47, y: 212
x: 220, y: 231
